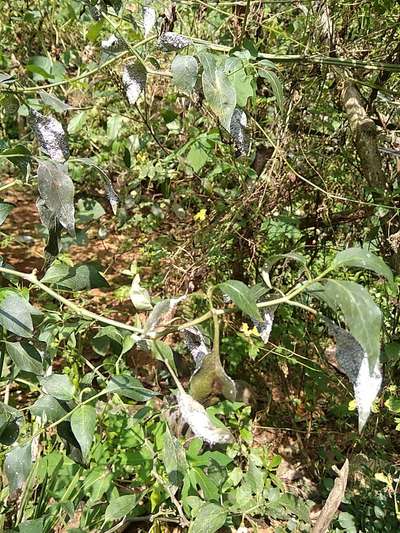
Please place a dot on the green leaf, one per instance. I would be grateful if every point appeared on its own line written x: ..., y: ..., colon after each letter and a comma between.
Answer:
x: 25, y: 356
x: 107, y: 341
x: 120, y: 507
x: 15, y: 313
x: 241, y: 296
x: 361, y: 315
x: 77, y: 278
x: 362, y: 258
x: 242, y: 82
x: 184, y: 71
x: 129, y: 387
x: 19, y: 155
x: 163, y: 352
x: 83, y: 424
x: 17, y: 466
x: 32, y: 526
x: 54, y: 102
x: 5, y: 210
x: 49, y: 407
x: 114, y: 125
x: 77, y: 122
x: 59, y: 386
x: 87, y: 210
x: 10, y: 421
x: 275, y: 84
x: 56, y: 190
x: 209, y: 519
x: 174, y: 459
x: 218, y: 90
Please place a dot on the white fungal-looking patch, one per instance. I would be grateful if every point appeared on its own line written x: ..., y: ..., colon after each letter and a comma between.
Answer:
x: 196, y: 344
x: 50, y: 135
x: 113, y: 45
x: 134, y: 78
x: 149, y: 20
x: 264, y: 327
x: 237, y: 129
x: 200, y: 423
x: 355, y: 363
x: 171, y: 42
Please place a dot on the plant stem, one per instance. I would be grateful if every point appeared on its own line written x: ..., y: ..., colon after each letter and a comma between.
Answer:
x: 80, y: 311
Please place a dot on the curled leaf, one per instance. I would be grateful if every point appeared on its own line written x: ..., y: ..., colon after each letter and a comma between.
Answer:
x: 149, y: 20
x: 355, y: 363
x: 264, y: 326
x: 196, y: 343
x: 139, y: 295
x: 238, y: 131
x: 210, y: 381
x: 162, y: 313
x: 172, y: 42
x: 50, y: 135
x: 199, y: 421
x: 113, y: 45
x: 134, y: 78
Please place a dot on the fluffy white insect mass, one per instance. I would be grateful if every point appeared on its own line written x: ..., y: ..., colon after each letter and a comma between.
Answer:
x: 51, y: 136
x: 171, y: 42
x: 200, y: 423
x: 134, y: 80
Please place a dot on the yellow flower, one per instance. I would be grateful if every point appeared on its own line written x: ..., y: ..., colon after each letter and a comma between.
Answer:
x: 201, y: 215
x: 247, y: 332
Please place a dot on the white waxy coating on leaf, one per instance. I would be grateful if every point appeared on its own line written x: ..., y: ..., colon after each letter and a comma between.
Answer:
x: 149, y: 20
x: 238, y: 131
x: 50, y: 135
x: 200, y: 423
x: 113, y: 45
x: 355, y: 363
x: 134, y: 79
x: 196, y: 344
x: 172, y: 42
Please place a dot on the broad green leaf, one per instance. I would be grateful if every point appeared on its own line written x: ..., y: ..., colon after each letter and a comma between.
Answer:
x: 362, y: 258
x: 210, y: 376
x: 77, y: 122
x: 218, y: 90
x: 56, y: 190
x: 108, y: 340
x: 17, y: 466
x: 19, y: 156
x: 255, y: 477
x: 242, y: 82
x: 163, y: 352
x: 275, y: 84
x: 25, y: 356
x: 129, y: 387
x: 184, y: 71
x: 83, y: 424
x: 5, y: 210
x: 76, y: 278
x: 114, y: 125
x: 209, y: 519
x: 174, y: 459
x: 49, y: 407
x: 10, y: 421
x: 120, y: 507
x: 59, y: 386
x: 361, y: 315
x: 87, y: 210
x: 54, y: 102
x: 32, y: 526
x: 15, y: 313
x: 241, y: 296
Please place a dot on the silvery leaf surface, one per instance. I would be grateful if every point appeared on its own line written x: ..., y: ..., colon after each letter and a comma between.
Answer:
x: 172, y: 42
x: 149, y: 20
x: 264, y: 326
x: 238, y: 131
x: 56, y: 190
x: 197, y: 345
x: 51, y: 136
x: 134, y: 77
x: 199, y: 421
x: 113, y: 45
x: 355, y: 363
